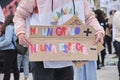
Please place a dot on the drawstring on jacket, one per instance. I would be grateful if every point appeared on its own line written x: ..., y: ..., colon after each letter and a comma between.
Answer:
x: 52, y: 6
x: 73, y: 6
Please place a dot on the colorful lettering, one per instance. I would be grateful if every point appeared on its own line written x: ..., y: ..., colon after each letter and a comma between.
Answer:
x: 54, y: 50
x: 49, y: 47
x: 77, y: 30
x: 44, y: 33
x: 68, y: 31
x: 47, y: 32
x: 58, y: 31
x: 79, y: 47
x: 72, y: 32
x: 33, y: 48
x: 73, y: 48
x: 85, y: 51
x: 69, y: 45
x: 64, y: 31
x: 50, y: 31
x: 33, y: 30
x: 43, y: 48
x: 65, y: 49
x: 61, y: 46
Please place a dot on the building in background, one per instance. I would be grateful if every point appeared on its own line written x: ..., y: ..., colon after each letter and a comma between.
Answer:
x: 109, y: 5
x: 92, y: 4
x: 105, y: 5
x: 9, y: 6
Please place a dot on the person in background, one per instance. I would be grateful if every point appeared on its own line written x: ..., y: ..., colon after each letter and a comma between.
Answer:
x: 110, y: 20
x: 110, y: 29
x: 24, y: 59
x: 116, y: 35
x: 1, y: 28
x: 109, y: 32
x: 7, y: 40
x: 2, y: 19
x: 48, y: 14
x: 102, y: 21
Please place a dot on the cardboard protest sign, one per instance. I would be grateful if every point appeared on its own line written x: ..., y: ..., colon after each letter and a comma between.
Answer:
x: 75, y: 21
x: 65, y: 42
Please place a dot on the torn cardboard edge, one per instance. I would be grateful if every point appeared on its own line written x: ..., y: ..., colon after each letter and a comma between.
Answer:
x: 76, y: 21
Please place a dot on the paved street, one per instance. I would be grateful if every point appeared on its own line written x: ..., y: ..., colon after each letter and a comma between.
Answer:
x: 108, y: 72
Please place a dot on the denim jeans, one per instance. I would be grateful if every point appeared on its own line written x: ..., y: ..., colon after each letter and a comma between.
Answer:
x: 10, y: 62
x: 118, y: 52
x: 24, y: 59
x: 86, y: 72
x: 41, y: 73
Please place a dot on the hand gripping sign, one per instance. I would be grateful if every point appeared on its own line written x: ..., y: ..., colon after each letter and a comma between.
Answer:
x: 63, y: 42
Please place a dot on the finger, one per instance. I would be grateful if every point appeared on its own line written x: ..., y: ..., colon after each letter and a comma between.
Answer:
x: 96, y: 40
x: 20, y: 41
x: 25, y: 41
x: 28, y: 42
x: 101, y: 40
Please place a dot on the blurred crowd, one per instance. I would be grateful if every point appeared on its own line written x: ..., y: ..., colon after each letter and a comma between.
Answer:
x: 107, y: 24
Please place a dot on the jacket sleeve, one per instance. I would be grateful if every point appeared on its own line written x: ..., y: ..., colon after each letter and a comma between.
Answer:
x: 90, y: 19
x: 6, y: 39
x: 24, y: 9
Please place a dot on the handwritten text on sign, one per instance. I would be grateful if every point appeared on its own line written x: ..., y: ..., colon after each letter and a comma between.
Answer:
x: 64, y: 42
x: 61, y: 31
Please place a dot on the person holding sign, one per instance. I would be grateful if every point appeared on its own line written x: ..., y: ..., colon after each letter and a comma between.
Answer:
x: 55, y: 12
